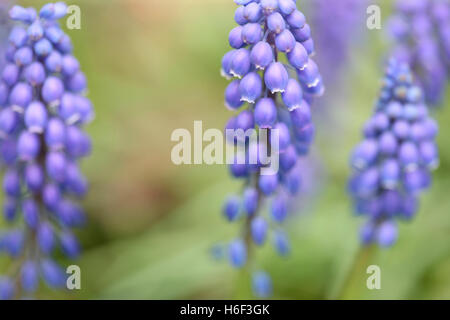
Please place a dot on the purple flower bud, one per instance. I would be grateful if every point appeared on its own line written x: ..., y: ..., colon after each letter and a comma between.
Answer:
x: 409, y: 207
x: 251, y: 33
x: 238, y: 170
x: 54, y: 62
x: 276, y: 23
x: 258, y: 230
x: 55, y: 165
x: 288, y: 159
x: 43, y: 47
x: 29, y: 276
x: 250, y: 87
x: 9, y: 209
x: 239, y: 16
x: 77, y: 83
x: 36, y: 117
x: 302, y: 34
x: 30, y: 211
x: 253, y: 12
x: 11, y: 183
x: 18, y: 37
x: 34, y: 177
x: 287, y: 6
x: 84, y: 109
x: 8, y: 151
x: 35, y: 74
x: 23, y: 56
x: 309, y: 75
x: 235, y: 38
x: 46, y: 238
x: 388, y: 144
x: 52, y: 90
x: 78, y: 143
x: 53, y: 275
x: 276, y: 77
x: 269, y: 6
x: 70, y: 65
x: 408, y: 155
x: 265, y: 113
x: 22, y: 14
x: 390, y: 173
x: 240, y: 64
x: 9, y: 121
x: 261, y: 55
x: 301, y: 116
x: 401, y: 129
x: 293, y: 96
x: 28, y: 146
x: 281, y: 243
x: 268, y: 183
x: 233, y: 95
x: 13, y: 243
x: 59, y: 10
x: 429, y: 154
x: 70, y: 245
x: 231, y: 208
x: 296, y: 20
x: 367, y: 233
x: 54, y: 34
x: 35, y: 31
x: 250, y: 200
x: 245, y: 120
x: 65, y: 44
x: 262, y: 285
x: 298, y: 57
x: 68, y: 109
x: 10, y: 74
x: 55, y: 134
x: 21, y: 95
x: 51, y: 195
x: 387, y: 234
x: 237, y: 253
x: 285, y: 41
x: 279, y: 209
x: 283, y: 135
x: 309, y: 46
x: 226, y: 64
x: 70, y: 215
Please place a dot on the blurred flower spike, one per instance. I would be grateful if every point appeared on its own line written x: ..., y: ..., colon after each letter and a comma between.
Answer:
x: 392, y: 164
x: 43, y: 111
x: 273, y: 82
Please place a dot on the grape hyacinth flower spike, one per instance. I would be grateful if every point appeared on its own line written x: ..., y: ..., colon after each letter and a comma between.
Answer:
x: 274, y: 80
x: 421, y: 31
x: 392, y: 164
x: 43, y: 112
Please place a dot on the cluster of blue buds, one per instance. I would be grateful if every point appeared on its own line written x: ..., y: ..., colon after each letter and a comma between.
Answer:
x: 43, y: 111
x: 421, y: 30
x: 393, y: 163
x: 273, y: 82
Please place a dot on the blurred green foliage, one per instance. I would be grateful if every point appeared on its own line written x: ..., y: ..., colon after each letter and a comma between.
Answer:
x: 153, y: 66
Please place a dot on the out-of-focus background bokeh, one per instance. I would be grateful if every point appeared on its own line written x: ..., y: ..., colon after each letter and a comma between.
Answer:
x: 153, y: 66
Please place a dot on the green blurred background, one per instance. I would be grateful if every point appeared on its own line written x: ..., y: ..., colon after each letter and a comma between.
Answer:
x: 153, y: 66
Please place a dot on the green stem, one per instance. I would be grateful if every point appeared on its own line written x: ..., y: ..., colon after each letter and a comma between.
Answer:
x: 355, y: 278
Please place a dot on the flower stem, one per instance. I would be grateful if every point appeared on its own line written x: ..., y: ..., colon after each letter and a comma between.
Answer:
x: 355, y: 278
